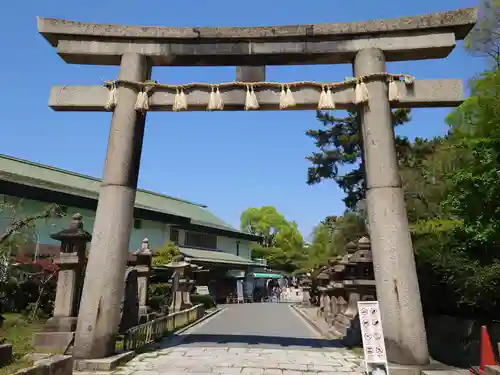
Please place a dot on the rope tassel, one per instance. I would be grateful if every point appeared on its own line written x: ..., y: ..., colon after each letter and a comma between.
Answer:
x: 215, y: 100
x: 326, y: 100
x: 408, y: 80
x: 142, y: 103
x: 361, y: 93
x: 393, y: 91
x: 251, y: 101
x: 112, y: 98
x: 180, y: 101
x: 286, y: 97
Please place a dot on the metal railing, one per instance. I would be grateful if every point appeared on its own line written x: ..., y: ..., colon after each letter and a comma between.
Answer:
x: 158, y: 328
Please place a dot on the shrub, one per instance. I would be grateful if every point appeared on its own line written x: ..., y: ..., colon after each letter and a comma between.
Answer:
x: 159, y: 295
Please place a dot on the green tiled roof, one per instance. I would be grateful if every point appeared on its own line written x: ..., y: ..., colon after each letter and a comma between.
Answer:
x: 46, y: 177
x: 220, y: 257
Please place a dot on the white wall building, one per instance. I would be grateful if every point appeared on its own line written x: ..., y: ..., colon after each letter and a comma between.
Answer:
x: 30, y: 187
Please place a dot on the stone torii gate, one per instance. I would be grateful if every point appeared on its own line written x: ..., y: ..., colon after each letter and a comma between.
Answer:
x: 365, y: 45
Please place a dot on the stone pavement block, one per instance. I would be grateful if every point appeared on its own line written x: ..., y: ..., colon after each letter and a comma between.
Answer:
x: 179, y: 349
x: 227, y: 370
x: 344, y: 369
x: 187, y: 363
x: 292, y: 366
x: 238, y: 350
x: 315, y: 354
x: 140, y: 365
x: 174, y: 354
x: 327, y: 362
x: 252, y: 371
x: 273, y: 371
x: 254, y: 364
x: 199, y: 370
x: 346, y: 363
x: 322, y: 368
x: 149, y: 355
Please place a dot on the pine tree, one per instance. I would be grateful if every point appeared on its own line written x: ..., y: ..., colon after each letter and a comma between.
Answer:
x: 340, y: 147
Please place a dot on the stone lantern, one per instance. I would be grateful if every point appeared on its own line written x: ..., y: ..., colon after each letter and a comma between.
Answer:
x: 306, y: 284
x: 72, y: 260
x: 59, y: 329
x: 142, y: 264
x: 179, y: 284
x: 359, y: 285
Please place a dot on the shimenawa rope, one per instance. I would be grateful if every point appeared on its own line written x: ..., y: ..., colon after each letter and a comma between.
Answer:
x: 215, y: 102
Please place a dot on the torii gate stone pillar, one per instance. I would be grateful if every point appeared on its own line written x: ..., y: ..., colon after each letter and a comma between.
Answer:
x: 366, y: 45
x: 393, y: 260
x: 99, y: 313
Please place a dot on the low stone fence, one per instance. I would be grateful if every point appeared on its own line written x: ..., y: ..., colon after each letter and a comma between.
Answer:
x: 55, y: 365
x: 158, y: 328
x: 456, y: 341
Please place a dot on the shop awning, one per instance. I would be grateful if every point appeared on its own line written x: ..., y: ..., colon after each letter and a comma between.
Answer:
x: 214, y: 257
x: 267, y: 275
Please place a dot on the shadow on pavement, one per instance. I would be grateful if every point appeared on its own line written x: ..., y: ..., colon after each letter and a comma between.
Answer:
x: 254, y: 340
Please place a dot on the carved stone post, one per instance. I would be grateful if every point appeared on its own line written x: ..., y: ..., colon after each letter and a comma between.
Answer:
x: 99, y: 314
x: 394, y: 263
x: 59, y: 329
x: 143, y: 257
x: 306, y: 288
x: 179, y: 266
x: 186, y: 286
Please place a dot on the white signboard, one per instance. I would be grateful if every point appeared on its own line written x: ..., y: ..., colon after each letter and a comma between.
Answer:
x: 373, y: 338
x: 202, y: 290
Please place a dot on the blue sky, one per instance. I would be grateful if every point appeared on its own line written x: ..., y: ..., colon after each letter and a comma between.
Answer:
x: 229, y: 161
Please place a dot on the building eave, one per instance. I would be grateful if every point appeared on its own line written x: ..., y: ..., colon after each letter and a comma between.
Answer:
x: 53, y: 185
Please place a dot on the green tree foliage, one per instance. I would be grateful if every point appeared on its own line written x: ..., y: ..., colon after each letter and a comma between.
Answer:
x: 424, y: 170
x: 330, y: 238
x: 282, y: 244
x: 349, y: 227
x: 321, y: 248
x: 456, y: 245
x: 475, y: 189
x: 165, y: 254
x: 340, y: 152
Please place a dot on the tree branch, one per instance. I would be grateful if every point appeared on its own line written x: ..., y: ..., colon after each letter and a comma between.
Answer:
x: 53, y: 210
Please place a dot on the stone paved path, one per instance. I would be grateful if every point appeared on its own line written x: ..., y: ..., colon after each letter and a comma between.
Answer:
x: 251, y: 339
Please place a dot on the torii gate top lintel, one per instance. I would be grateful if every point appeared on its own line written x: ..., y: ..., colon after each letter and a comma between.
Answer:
x: 406, y: 38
